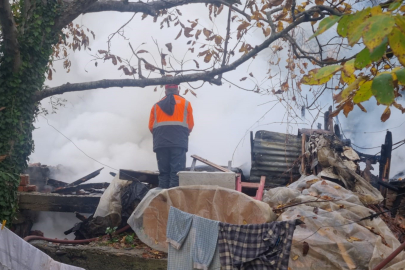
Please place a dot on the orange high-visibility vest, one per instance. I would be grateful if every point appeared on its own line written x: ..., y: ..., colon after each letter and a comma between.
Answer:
x: 182, y: 115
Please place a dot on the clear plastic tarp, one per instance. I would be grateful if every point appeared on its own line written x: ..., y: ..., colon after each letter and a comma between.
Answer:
x: 213, y: 202
x: 333, y: 233
x: 17, y: 254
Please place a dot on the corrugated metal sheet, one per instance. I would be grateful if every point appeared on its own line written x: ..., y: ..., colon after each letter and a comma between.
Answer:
x: 273, y: 155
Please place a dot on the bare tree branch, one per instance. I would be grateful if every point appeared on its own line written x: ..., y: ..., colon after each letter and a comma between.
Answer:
x: 9, y: 33
x: 208, y: 76
x: 77, y: 7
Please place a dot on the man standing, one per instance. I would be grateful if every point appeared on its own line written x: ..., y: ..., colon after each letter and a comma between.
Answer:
x: 171, y: 121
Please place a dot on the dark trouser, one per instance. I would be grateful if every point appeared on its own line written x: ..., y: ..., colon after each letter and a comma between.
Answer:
x: 170, y: 161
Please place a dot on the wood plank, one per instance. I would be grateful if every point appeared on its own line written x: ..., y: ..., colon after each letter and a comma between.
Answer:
x: 58, y: 203
x: 205, y: 161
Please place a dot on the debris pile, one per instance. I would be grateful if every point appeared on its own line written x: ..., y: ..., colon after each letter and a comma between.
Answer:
x: 329, y: 158
x: 339, y: 231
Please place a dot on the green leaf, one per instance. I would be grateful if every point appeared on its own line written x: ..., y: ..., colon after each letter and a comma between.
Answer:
x: 376, y: 29
x: 383, y: 88
x: 364, y: 93
x: 379, y: 51
x: 343, y: 24
x: 356, y: 25
x: 325, y: 24
x: 346, y: 92
x: 394, y: 5
x: 401, y: 76
x: 397, y: 43
x: 362, y: 59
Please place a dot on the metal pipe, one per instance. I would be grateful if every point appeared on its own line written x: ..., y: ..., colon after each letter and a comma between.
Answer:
x: 382, y: 264
x: 84, y: 241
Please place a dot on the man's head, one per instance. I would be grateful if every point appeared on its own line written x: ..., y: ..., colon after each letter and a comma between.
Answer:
x: 171, y: 89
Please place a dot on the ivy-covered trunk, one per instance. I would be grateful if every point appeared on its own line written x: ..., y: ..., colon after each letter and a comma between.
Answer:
x: 17, y: 87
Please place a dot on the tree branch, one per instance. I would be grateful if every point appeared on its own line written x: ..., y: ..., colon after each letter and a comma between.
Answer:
x: 201, y: 76
x: 77, y: 7
x: 9, y: 33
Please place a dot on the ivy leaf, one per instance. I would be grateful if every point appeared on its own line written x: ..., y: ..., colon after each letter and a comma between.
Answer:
x: 325, y: 24
x: 383, y: 88
x: 397, y: 43
x: 364, y: 93
x: 376, y: 29
x: 362, y: 59
x: 386, y: 114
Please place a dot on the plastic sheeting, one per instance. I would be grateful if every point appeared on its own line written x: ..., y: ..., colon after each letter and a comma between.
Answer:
x: 149, y: 219
x: 16, y: 254
x: 332, y: 231
x: 110, y: 201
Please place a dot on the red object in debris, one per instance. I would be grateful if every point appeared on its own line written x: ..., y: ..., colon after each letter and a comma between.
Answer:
x: 258, y: 186
x: 24, y: 179
x: 28, y: 188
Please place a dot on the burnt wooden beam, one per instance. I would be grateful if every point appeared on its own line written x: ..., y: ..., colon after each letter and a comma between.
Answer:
x: 85, y: 178
x: 36, y: 201
x: 90, y: 186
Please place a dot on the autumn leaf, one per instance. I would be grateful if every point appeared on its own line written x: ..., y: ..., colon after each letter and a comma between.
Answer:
x: 376, y: 29
x: 266, y: 32
x: 244, y: 78
x: 386, y: 114
x: 207, y: 57
x: 207, y: 32
x: 251, y: 74
x: 397, y: 43
x: 198, y: 33
x: 192, y: 92
x: 280, y: 26
x: 154, y: 90
x: 142, y: 51
x: 295, y: 258
x: 169, y: 47
x: 348, y: 107
x: 242, y: 26
x: 179, y: 34
x: 187, y: 32
x: 218, y: 40
x: 196, y: 63
x: 50, y: 74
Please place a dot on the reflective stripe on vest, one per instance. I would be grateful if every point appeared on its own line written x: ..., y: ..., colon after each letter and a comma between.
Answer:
x: 172, y: 123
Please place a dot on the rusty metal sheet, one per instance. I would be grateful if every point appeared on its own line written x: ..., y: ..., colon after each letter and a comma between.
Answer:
x: 276, y: 156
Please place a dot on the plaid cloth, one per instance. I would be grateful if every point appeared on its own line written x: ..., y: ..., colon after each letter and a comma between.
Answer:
x: 255, y: 246
x: 192, y: 242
